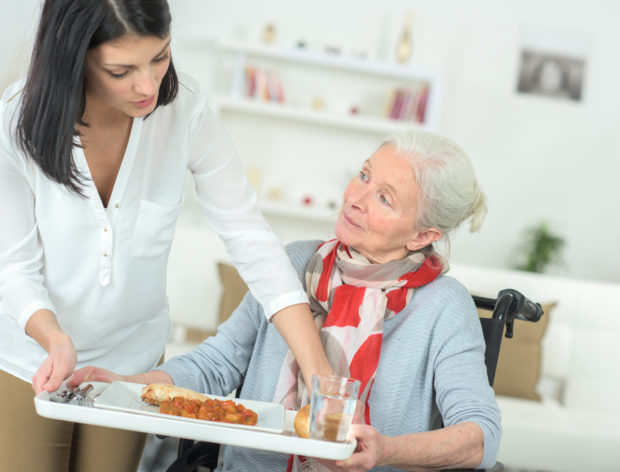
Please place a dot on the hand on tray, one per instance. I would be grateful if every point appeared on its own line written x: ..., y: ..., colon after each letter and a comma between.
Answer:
x: 55, y: 368
x: 367, y: 454
x: 98, y: 374
x: 94, y: 374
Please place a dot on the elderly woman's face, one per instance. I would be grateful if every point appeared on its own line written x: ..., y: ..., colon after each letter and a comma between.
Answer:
x: 379, y: 209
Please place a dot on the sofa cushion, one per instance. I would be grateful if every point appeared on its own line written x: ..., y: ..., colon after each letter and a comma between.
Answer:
x: 518, y: 367
x: 593, y: 381
x: 233, y: 290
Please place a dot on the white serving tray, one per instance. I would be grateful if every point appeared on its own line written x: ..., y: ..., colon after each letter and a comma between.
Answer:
x: 122, y: 408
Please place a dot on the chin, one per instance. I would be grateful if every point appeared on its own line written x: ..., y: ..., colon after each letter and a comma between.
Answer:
x: 340, y: 234
x: 143, y: 113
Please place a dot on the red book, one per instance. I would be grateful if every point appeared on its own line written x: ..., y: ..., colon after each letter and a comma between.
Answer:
x: 421, y: 110
x: 398, y: 104
x: 250, y: 81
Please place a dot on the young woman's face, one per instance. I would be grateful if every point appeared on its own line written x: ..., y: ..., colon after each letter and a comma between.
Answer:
x: 379, y: 209
x: 126, y: 73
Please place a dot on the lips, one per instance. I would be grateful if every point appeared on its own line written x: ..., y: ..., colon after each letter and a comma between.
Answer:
x: 145, y: 103
x: 349, y: 220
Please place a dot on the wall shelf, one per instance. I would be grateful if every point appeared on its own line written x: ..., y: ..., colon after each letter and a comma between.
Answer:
x: 331, y: 61
x: 388, y: 77
x: 275, y: 110
x: 289, y: 210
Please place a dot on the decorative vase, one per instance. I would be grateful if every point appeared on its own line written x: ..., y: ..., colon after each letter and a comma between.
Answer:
x: 403, y: 51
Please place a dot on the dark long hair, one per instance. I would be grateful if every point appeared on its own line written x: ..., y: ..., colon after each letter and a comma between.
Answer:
x: 53, y: 98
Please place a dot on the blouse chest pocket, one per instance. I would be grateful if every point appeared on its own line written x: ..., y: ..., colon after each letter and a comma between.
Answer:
x: 154, y: 229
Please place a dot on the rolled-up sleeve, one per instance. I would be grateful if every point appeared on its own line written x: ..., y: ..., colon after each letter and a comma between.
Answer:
x: 22, y: 289
x: 232, y: 210
x: 461, y: 382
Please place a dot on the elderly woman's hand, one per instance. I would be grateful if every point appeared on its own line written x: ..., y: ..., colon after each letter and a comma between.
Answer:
x: 94, y: 374
x: 98, y: 374
x: 370, y: 451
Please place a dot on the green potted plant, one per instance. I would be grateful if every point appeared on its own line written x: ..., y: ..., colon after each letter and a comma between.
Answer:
x: 539, y: 248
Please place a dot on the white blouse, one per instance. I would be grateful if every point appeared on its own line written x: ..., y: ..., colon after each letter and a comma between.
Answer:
x: 102, y: 271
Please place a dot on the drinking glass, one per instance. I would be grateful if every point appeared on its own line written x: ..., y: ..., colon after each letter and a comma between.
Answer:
x: 332, y: 406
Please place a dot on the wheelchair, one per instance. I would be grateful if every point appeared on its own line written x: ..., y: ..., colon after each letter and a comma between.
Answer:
x: 508, y: 306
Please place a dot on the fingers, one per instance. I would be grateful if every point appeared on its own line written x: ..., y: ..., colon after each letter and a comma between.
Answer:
x: 58, y: 365
x: 365, y: 455
x: 79, y: 376
x: 92, y: 374
x: 41, y: 377
x: 360, y: 431
x: 58, y: 374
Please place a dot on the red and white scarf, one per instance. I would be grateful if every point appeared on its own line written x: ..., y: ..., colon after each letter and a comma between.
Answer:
x: 350, y: 298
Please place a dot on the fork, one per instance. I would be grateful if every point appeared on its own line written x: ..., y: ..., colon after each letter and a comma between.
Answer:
x: 80, y: 395
x: 82, y: 398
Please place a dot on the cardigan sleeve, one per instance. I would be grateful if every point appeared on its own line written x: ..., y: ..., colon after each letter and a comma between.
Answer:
x: 463, y: 393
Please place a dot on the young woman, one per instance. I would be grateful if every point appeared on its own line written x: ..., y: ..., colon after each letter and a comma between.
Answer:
x: 94, y: 147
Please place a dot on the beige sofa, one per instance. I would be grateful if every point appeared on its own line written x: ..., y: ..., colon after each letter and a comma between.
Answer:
x: 575, y: 424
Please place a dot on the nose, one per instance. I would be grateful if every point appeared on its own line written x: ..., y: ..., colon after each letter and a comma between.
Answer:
x: 146, y: 84
x: 358, y: 197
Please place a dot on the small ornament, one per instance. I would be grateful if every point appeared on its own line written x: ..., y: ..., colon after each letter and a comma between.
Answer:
x: 333, y: 49
x: 301, y: 44
x: 255, y: 176
x: 275, y: 194
x: 307, y: 200
x: 318, y: 103
x: 354, y: 110
x: 403, y: 52
x: 269, y: 33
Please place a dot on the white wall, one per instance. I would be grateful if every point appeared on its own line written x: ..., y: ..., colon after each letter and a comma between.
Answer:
x: 536, y: 158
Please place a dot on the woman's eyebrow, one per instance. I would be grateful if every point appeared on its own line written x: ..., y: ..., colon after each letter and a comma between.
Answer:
x: 163, y: 49
x: 131, y: 65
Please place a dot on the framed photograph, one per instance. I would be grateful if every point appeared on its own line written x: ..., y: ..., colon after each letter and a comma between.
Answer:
x: 552, y: 65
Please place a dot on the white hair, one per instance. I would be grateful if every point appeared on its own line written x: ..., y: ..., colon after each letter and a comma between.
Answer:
x: 449, y: 191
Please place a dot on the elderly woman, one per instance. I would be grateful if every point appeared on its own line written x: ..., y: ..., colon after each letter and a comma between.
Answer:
x: 388, y: 316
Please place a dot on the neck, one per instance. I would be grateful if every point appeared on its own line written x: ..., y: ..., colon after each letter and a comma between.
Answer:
x: 98, y: 114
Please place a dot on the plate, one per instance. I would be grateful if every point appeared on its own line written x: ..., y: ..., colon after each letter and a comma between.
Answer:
x: 125, y: 396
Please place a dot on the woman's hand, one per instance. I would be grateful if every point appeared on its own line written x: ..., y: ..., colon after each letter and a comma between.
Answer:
x: 59, y: 365
x: 369, y: 452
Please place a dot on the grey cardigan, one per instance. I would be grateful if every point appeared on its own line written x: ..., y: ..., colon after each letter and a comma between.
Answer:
x: 431, y: 368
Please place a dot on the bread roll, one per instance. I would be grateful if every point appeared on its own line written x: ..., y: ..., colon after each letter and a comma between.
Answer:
x: 302, y: 421
x: 156, y: 393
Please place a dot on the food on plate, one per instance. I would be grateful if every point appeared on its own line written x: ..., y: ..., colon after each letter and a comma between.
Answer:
x: 156, y: 393
x: 302, y: 421
x: 211, y: 409
x: 178, y: 401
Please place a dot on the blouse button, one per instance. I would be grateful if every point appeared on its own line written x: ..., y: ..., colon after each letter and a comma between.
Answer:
x: 105, y: 254
x: 116, y: 205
